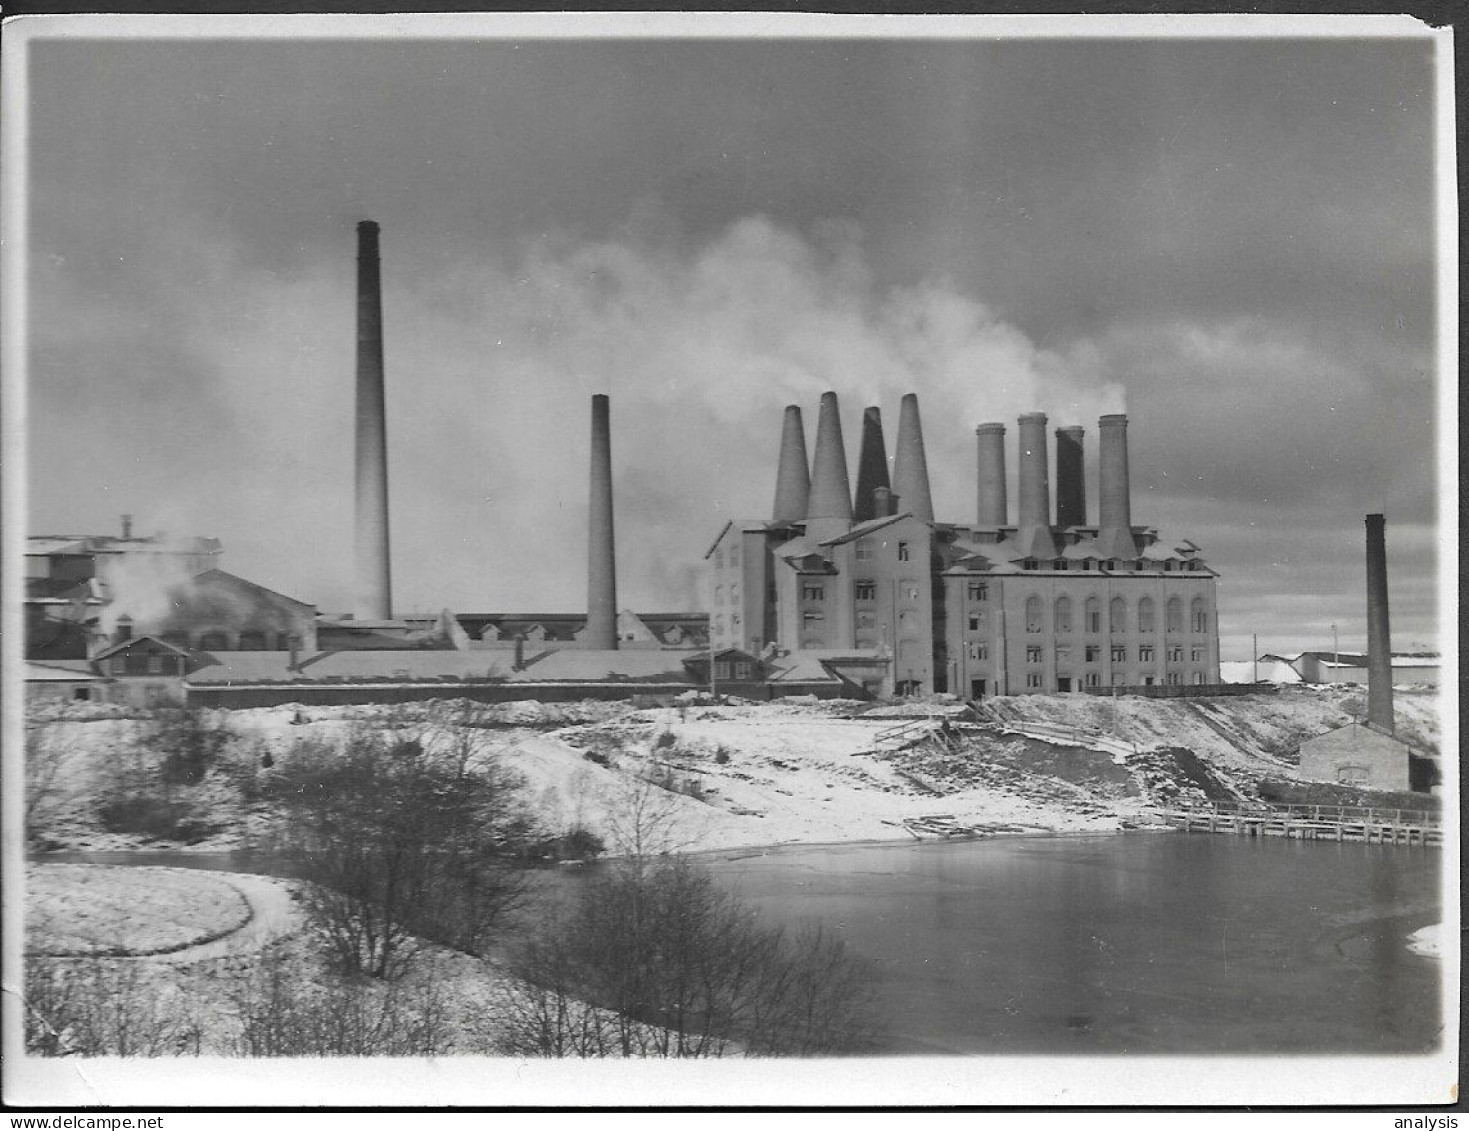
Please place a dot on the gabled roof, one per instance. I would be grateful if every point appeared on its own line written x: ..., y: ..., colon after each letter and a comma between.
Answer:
x: 868, y: 527
x: 61, y: 671
x: 133, y: 641
x: 219, y: 575
x: 745, y: 525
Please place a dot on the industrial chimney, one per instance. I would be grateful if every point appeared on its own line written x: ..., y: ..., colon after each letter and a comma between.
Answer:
x: 910, y: 465
x: 601, y: 631
x: 127, y: 528
x: 373, y: 594
x: 993, y: 506
x: 1034, y: 534
x: 829, y: 511
x: 872, y: 466
x: 1070, y: 477
x: 1379, y: 636
x: 1114, y: 534
x: 793, y: 479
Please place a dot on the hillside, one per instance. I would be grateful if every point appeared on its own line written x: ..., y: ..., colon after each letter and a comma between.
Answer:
x: 737, y: 774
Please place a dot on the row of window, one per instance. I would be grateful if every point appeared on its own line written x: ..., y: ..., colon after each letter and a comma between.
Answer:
x: 908, y: 590
x: 734, y: 594
x: 1092, y: 653
x: 724, y: 669
x: 1035, y: 680
x: 1087, y: 564
x: 863, y: 551
x: 730, y: 556
x: 1117, y: 615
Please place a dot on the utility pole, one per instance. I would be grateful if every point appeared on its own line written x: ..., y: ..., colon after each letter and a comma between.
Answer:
x: 1255, y: 656
x: 1335, y: 651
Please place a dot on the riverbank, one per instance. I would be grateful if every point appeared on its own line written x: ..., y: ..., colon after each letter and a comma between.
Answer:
x: 729, y: 776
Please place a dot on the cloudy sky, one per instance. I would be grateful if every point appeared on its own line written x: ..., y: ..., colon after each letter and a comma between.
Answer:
x: 1231, y: 240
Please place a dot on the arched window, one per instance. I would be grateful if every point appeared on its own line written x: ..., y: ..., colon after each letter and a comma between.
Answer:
x: 1174, y: 615
x: 1032, y: 614
x: 214, y: 642
x: 719, y: 594
x: 1198, y: 618
x: 1063, y: 613
x: 1093, y: 616
x: 1145, y: 615
x: 1119, y: 614
x: 252, y: 641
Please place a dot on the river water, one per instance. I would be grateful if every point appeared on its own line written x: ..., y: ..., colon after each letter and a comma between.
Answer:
x: 1148, y: 944
x: 1155, y: 944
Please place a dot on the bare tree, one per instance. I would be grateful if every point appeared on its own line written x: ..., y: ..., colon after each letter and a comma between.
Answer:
x: 103, y: 1007
x: 400, y: 840
x: 44, y: 780
x: 657, y: 960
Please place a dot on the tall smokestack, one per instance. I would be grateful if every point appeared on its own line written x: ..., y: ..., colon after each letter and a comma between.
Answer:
x: 1379, y: 636
x: 127, y: 528
x: 1114, y: 533
x: 872, y: 466
x: 601, y: 631
x: 1070, y: 477
x: 793, y: 479
x: 829, y: 511
x: 373, y: 596
x: 1034, y: 535
x: 994, y: 508
x: 910, y: 465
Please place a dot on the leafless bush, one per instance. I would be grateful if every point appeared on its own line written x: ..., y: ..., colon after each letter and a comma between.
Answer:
x: 401, y: 839
x: 657, y: 960
x: 97, y: 1007
x: 280, y: 1013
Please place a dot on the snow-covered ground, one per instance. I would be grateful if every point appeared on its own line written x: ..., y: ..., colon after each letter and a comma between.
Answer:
x: 745, y: 774
x: 78, y: 909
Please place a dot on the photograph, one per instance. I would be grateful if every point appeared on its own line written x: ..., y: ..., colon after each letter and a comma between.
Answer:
x: 653, y: 559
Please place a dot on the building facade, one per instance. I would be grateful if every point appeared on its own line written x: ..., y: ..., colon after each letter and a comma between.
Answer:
x: 988, y: 608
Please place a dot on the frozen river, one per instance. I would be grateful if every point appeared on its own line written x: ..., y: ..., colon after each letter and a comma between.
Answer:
x: 1151, y: 944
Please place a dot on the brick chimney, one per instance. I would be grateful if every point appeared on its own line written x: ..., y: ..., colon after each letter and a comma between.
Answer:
x: 793, y: 478
x: 1379, y: 635
x: 373, y: 593
x: 872, y: 466
x: 601, y: 631
x: 910, y: 464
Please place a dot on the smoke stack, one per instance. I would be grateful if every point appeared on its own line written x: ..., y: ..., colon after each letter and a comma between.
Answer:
x: 127, y: 528
x: 601, y: 631
x: 1114, y: 534
x: 373, y: 599
x: 829, y: 510
x: 993, y: 506
x: 872, y: 466
x: 123, y: 630
x: 1379, y: 636
x: 793, y: 479
x: 293, y: 651
x: 1070, y: 477
x: 519, y: 664
x: 884, y: 502
x: 910, y: 465
x: 1034, y: 535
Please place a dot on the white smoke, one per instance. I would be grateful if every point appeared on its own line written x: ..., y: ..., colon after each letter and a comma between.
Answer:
x: 491, y: 360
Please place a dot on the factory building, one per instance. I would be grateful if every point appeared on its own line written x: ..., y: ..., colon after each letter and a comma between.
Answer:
x: 992, y: 607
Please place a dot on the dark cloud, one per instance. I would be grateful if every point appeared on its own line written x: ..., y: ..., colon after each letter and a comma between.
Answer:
x: 1234, y: 238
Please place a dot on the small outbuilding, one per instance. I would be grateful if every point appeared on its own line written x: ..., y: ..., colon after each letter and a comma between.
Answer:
x: 1360, y: 755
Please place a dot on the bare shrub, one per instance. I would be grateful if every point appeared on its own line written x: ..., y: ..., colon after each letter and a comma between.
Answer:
x: 401, y: 839
x: 281, y: 1013
x: 97, y: 1007
x: 658, y: 960
x: 45, y: 783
